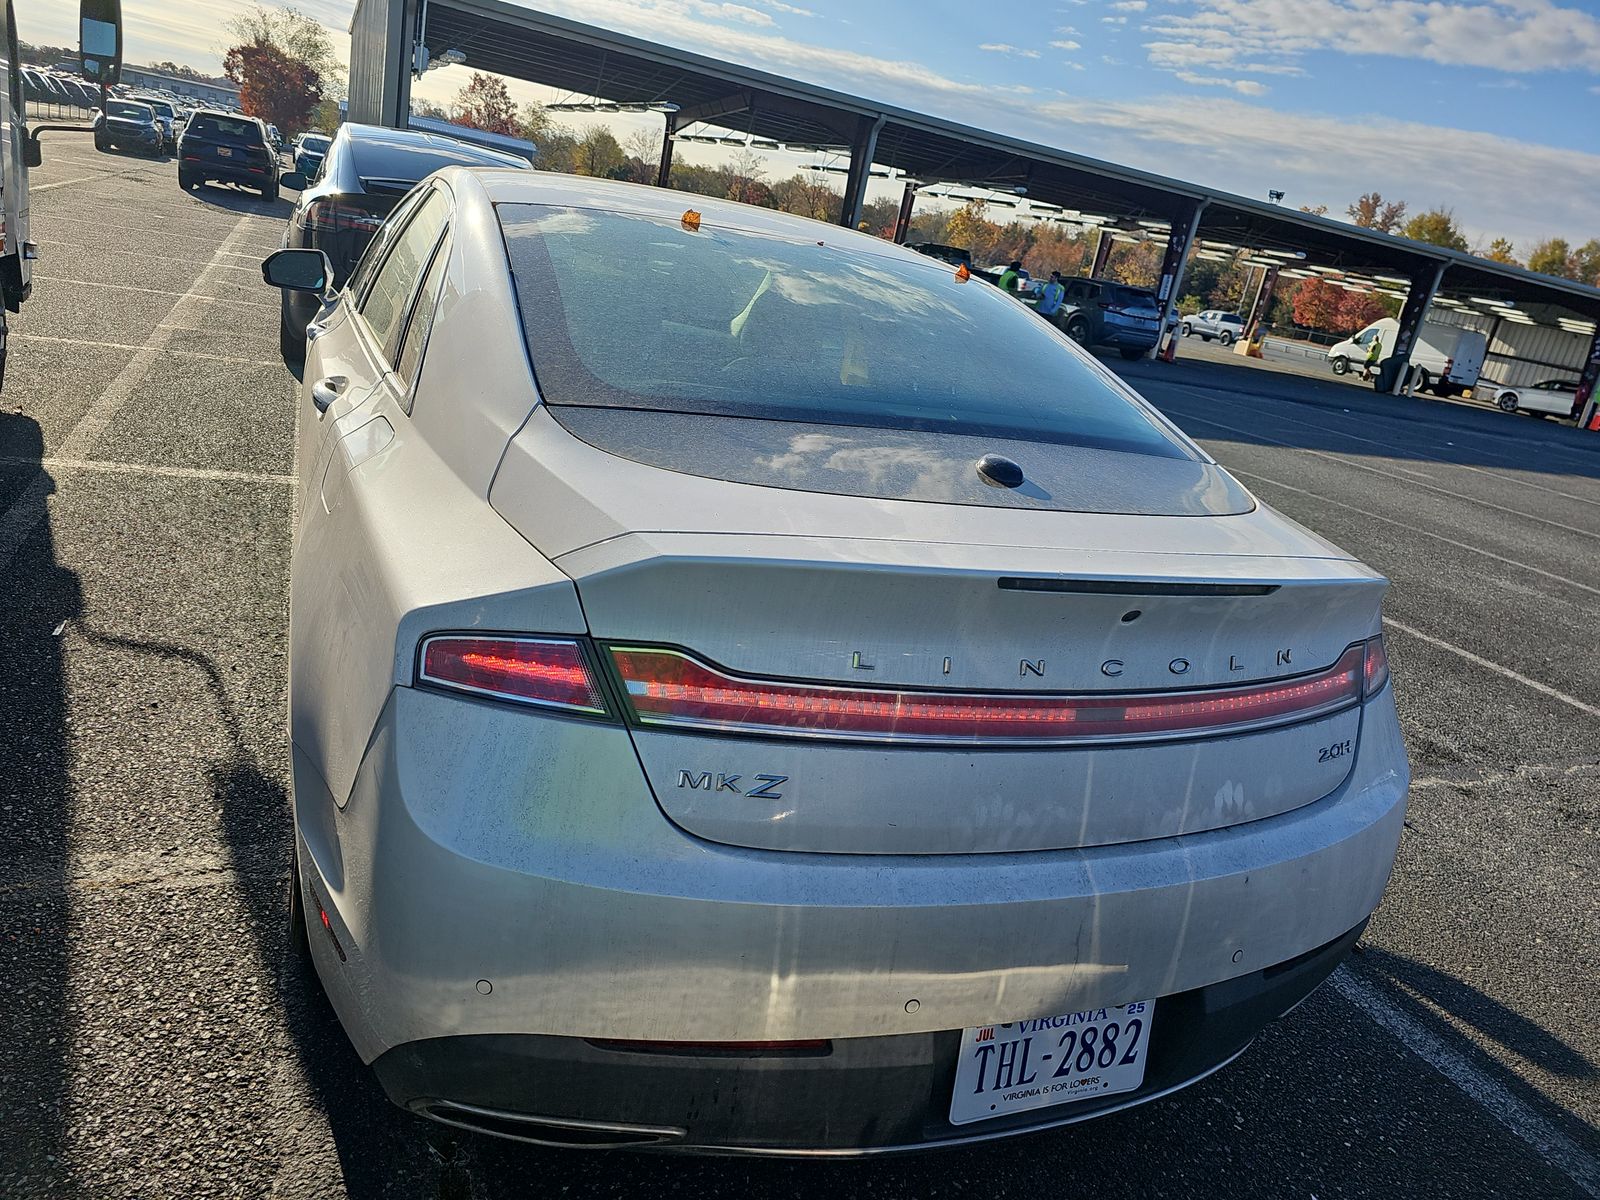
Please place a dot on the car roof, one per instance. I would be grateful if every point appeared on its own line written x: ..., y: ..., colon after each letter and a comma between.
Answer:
x: 381, y: 138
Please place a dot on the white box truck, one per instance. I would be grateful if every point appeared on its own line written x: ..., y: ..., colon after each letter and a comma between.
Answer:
x: 1446, y: 360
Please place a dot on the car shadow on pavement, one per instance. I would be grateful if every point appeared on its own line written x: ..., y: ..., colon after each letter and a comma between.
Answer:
x: 1424, y: 992
x: 374, y: 1143
x: 238, y: 200
x: 38, y: 598
x: 1262, y: 408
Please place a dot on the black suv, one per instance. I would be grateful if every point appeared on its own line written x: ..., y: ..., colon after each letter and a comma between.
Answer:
x: 128, y: 125
x: 227, y: 148
x: 363, y: 174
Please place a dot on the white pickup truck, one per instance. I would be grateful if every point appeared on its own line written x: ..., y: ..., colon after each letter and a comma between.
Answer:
x: 1446, y: 359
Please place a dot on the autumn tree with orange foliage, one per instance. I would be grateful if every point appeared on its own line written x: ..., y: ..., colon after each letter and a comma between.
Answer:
x: 274, y: 87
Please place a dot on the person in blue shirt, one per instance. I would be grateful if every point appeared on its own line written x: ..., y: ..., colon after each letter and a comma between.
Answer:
x: 1050, y: 298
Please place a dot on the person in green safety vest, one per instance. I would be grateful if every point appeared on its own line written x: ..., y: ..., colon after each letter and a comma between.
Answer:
x: 1374, y: 353
x: 1010, y: 278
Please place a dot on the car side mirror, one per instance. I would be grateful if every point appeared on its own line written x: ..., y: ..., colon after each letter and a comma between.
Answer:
x: 295, y: 181
x: 297, y: 270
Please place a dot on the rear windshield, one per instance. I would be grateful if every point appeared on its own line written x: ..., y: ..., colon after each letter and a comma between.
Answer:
x: 1124, y: 296
x: 226, y: 129
x: 125, y: 108
x: 314, y: 144
x: 629, y: 311
x: 406, y: 160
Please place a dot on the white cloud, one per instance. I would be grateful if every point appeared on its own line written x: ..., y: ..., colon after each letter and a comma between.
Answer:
x: 729, y: 12
x: 1113, y: 20
x: 1008, y: 48
x: 1131, y: 5
x: 789, y: 9
x: 1504, y: 35
x: 1245, y: 87
x: 1067, y: 44
x: 1067, y: 30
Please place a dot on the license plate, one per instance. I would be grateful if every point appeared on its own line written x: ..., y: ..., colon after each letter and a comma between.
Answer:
x: 224, y: 152
x: 1005, y: 1069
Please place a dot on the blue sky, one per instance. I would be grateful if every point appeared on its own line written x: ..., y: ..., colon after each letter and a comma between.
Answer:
x: 1491, y: 107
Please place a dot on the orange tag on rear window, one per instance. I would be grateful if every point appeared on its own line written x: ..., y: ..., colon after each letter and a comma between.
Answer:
x: 691, y: 220
x: 962, y: 274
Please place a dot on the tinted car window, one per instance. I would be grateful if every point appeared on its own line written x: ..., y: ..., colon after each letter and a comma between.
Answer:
x: 1123, y: 296
x: 629, y: 311
x: 384, y: 305
x: 382, y: 158
x: 314, y: 143
x: 225, y: 129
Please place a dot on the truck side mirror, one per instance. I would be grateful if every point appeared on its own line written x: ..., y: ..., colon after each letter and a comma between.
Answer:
x: 100, y: 40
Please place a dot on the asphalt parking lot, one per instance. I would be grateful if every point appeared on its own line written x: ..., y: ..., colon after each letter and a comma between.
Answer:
x: 160, y: 1042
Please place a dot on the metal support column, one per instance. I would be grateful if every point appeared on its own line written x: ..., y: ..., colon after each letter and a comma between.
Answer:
x: 664, y: 171
x: 1393, y: 370
x: 1173, y: 264
x: 1102, y: 253
x: 902, y: 224
x: 1247, y: 345
x: 862, y: 149
x: 1589, y: 385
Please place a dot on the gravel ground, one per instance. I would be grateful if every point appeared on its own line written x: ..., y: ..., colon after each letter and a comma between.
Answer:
x: 160, y: 1043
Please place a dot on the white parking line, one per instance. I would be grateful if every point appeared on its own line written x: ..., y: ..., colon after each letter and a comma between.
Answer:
x: 1345, y: 461
x: 61, y: 341
x: 166, y: 258
x: 1414, y: 528
x: 111, y: 467
x: 1478, y: 660
x: 128, y: 287
x: 1555, y: 1147
x: 45, y: 187
x: 30, y: 508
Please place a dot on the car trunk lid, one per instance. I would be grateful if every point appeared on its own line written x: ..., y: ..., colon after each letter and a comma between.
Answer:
x: 833, y: 625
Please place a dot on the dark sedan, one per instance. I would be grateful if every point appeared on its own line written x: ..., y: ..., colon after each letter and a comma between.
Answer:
x: 128, y: 125
x: 227, y: 148
x: 366, y: 169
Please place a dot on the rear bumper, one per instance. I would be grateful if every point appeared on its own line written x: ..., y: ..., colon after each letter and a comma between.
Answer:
x: 858, y: 1096
x: 497, y: 871
x: 210, y: 170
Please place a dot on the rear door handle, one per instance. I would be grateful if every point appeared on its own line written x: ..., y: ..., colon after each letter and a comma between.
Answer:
x: 325, y: 391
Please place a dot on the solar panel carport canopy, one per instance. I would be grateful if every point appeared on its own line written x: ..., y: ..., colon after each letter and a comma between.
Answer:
x: 590, y: 62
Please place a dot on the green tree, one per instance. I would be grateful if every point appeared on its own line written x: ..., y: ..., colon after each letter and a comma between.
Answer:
x: 1370, y: 211
x: 1501, y: 251
x: 1437, y: 227
x: 298, y: 37
x: 485, y: 103
x: 1553, y: 256
x: 598, y: 153
x: 1586, y: 258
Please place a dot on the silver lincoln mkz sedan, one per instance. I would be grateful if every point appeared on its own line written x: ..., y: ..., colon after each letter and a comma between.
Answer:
x: 755, y: 689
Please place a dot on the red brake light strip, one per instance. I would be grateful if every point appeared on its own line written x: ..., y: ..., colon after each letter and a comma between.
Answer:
x: 668, y: 688
x: 547, y: 672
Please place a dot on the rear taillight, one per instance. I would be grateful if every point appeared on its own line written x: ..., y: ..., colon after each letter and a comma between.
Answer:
x: 1377, y: 666
x: 668, y: 688
x: 336, y: 216
x: 548, y: 673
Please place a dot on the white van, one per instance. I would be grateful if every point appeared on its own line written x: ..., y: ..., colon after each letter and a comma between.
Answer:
x: 1446, y: 359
